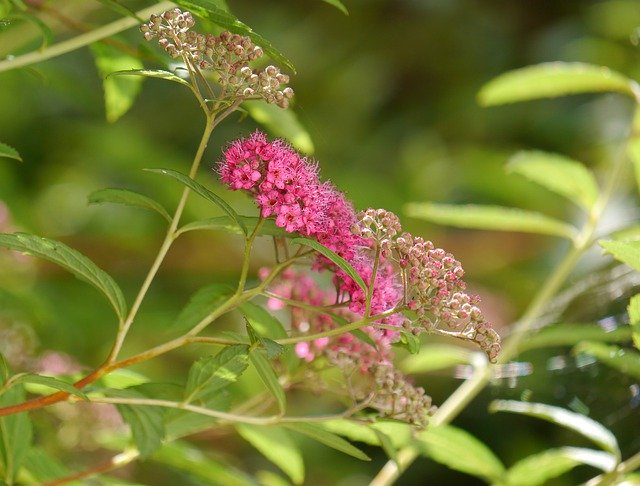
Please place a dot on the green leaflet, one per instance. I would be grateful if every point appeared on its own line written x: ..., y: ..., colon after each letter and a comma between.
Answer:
x: 128, y: 198
x: 15, y: 435
x: 268, y: 377
x: 201, y: 304
x: 281, y: 123
x: 153, y: 73
x: 627, y: 252
x: 9, y: 152
x: 626, y: 361
x: 433, y: 357
x: 329, y: 439
x: 634, y: 319
x: 226, y: 223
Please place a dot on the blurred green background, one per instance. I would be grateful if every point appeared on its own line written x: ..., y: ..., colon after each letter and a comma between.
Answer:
x: 388, y: 97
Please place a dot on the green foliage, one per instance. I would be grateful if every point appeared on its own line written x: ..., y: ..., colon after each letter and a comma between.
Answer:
x: 225, y: 223
x: 147, y: 426
x: 152, y: 73
x: 626, y: 361
x: 570, y: 334
x: 329, y: 439
x: 627, y: 252
x: 433, y: 357
x: 9, y: 152
x: 44, y: 468
x: 15, y: 436
x: 399, y: 434
x: 69, y: 259
x: 281, y: 123
x: 339, y: 5
x: 262, y: 321
x: 634, y: 319
x: 268, y: 377
x: 49, y: 382
x: 201, y: 304
x: 128, y: 198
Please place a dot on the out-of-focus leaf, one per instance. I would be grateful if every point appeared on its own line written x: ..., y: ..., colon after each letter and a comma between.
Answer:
x: 123, y: 378
x: 118, y: 7
x: 490, y: 218
x: 50, y: 382
x: 268, y: 377
x: 211, y: 10
x: 274, y: 443
x: 119, y: 92
x: 204, y: 192
x: 386, y: 444
x: 262, y: 321
x: 71, y: 260
x: 281, y: 123
x: 459, y: 450
x: 435, y: 357
x: 626, y: 361
x: 339, y: 5
x: 327, y: 438
x: 269, y: 478
x: 9, y: 152
x: 409, y: 341
x: 627, y: 252
x: 633, y: 151
x: 15, y: 435
x: 45, y: 30
x: 225, y: 223
x: 557, y: 173
x: 128, y: 198
x: 399, y: 433
x: 335, y: 258
x: 634, y: 318
x: 537, y: 469
x: 570, y: 334
x: 5, y: 371
x: 153, y: 73
x: 579, y: 423
x: 44, y: 468
x: 147, y: 426
x: 550, y: 80
x: 180, y: 423
x: 201, y: 304
x: 212, y: 373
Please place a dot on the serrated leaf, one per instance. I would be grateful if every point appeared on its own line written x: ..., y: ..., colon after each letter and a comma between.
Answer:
x: 262, y: 321
x: 147, y: 426
x: 537, y: 469
x: 275, y: 444
x: 201, y: 304
x: 550, y: 80
x: 571, y: 334
x: 281, y: 123
x: 329, y: 439
x: 634, y: 318
x: 225, y: 223
x: 335, y: 258
x: 459, y: 450
x: 559, y: 174
x: 128, y: 198
x: 213, y: 373
x: 268, y: 377
x: 15, y: 435
x: 496, y: 218
x: 435, y: 357
x: 9, y: 152
x: 153, y: 73
x: 339, y: 5
x: 579, y: 423
x: 210, y: 10
x: 272, y: 348
x: 49, y: 381
x: 626, y: 361
x: 119, y: 92
x: 71, y: 260
x: 628, y: 252
x: 205, y: 193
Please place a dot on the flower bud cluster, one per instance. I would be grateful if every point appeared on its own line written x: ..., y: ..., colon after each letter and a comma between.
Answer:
x: 227, y: 54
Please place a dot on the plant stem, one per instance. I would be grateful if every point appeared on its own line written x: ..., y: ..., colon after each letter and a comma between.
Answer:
x: 81, y: 40
x: 115, y: 462
x: 248, y: 245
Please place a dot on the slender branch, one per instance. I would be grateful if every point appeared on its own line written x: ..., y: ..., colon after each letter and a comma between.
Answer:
x: 246, y: 258
x: 115, y: 462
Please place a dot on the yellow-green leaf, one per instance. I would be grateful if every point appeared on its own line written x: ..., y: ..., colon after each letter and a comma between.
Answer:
x: 634, y: 319
x: 626, y: 361
x: 9, y: 152
x: 281, y: 123
x: 627, y: 252
x: 433, y: 357
x: 128, y: 198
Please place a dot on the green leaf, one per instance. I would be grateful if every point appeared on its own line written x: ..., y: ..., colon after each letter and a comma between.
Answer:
x: 571, y: 334
x: 281, y: 123
x: 128, y: 198
x: 180, y: 423
x: 435, y: 357
x: 497, y: 218
x: 339, y: 5
x: 459, y: 450
x: 579, y: 423
x: 626, y: 361
x: 123, y: 378
x: 537, y: 469
x: 201, y: 304
x: 335, y: 258
x: 147, y: 426
x: 210, y: 10
x: 123, y: 10
x: 269, y: 478
x: 50, y: 382
x: 634, y: 318
x: 5, y: 371
x: 213, y: 373
x: 386, y: 444
x: 71, y: 260
x: 362, y: 336
x: 153, y: 73
x: 628, y: 252
x: 262, y: 321
x: 557, y: 173
x: 399, y: 433
x: 44, y: 468
x: 275, y: 444
x: 633, y: 152
x: 268, y: 377
x: 409, y: 341
x: 15, y: 435
x: 329, y: 439
x: 549, y: 80
x: 119, y: 92
x: 45, y: 30
x: 225, y: 223
x: 9, y: 152
x: 205, y: 193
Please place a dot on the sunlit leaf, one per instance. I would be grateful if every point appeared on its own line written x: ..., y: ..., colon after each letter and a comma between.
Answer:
x: 201, y: 304
x: 119, y: 92
x: 633, y: 151
x: 557, y: 173
x: 571, y: 334
x: 339, y: 5
x: 204, y: 192
x: 550, y: 80
x: 147, y: 426
x: 334, y: 257
x: 281, y: 123
x: 15, y: 435
x: 275, y: 444
x: 50, y: 382
x: 627, y: 252
x: 9, y: 152
x: 435, y: 357
x: 212, y: 373
x: 128, y: 198
x: 123, y: 378
x: 386, y: 444
x: 225, y: 223
x: 153, y: 73
x: 579, y: 423
x: 626, y: 361
x: 459, y: 450
x: 269, y: 478
x: 634, y: 318
x: 263, y: 321
x: 490, y: 218
x: 400, y: 434
x: 71, y: 260
x: 329, y: 439
x: 268, y: 377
